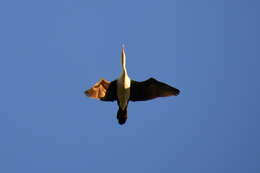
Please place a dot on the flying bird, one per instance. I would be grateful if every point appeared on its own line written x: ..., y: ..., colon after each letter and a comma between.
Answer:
x: 124, y: 89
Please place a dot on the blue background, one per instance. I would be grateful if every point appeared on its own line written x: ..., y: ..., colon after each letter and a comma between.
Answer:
x: 51, y: 51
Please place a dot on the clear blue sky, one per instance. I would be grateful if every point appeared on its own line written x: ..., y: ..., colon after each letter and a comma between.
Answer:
x: 51, y: 51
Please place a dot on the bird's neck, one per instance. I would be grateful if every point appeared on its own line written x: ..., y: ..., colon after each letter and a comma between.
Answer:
x: 124, y: 79
x: 124, y: 71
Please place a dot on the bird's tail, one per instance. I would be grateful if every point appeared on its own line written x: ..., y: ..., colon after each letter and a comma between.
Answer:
x: 122, y: 115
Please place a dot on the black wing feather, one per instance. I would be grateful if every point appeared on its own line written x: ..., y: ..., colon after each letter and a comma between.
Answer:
x: 150, y: 89
x: 111, y: 94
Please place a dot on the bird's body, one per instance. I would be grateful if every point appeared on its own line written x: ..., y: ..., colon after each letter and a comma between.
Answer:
x: 124, y: 90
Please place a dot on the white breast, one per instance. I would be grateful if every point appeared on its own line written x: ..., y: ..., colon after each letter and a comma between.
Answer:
x: 123, y: 90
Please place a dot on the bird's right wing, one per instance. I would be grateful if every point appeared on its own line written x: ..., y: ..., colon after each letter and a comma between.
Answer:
x: 103, y: 90
x: 151, y: 89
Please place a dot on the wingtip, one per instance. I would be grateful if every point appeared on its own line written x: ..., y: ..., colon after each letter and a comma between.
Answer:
x: 87, y: 93
x: 178, y: 92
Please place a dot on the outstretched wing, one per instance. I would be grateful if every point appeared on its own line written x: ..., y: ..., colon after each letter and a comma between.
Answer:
x: 150, y: 89
x: 103, y: 90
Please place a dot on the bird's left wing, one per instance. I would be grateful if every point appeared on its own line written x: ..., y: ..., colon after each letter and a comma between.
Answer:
x: 151, y: 89
x: 103, y: 90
